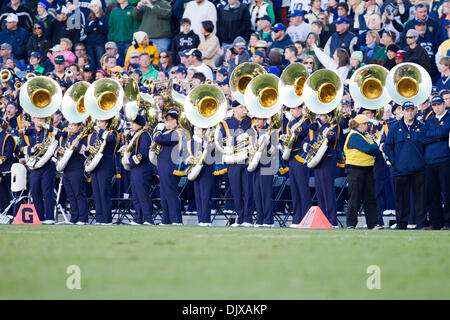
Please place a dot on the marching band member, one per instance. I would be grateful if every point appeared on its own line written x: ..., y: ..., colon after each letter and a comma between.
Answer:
x: 170, y: 137
x: 360, y: 152
x: 263, y: 175
x: 141, y: 171
x: 42, y: 180
x: 405, y: 153
x: 298, y: 171
x: 240, y: 179
x: 325, y: 171
x: 73, y: 180
x: 104, y: 172
x: 437, y: 164
x: 205, y: 182
x: 8, y: 146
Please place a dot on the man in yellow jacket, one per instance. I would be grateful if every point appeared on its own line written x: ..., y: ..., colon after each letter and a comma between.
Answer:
x: 142, y: 43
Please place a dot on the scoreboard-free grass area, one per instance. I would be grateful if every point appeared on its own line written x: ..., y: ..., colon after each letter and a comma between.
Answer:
x: 169, y: 262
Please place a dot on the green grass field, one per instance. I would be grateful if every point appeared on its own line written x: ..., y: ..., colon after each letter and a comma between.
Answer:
x: 124, y: 262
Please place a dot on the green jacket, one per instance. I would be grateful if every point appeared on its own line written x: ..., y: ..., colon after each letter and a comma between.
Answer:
x: 155, y: 21
x: 121, y: 24
x: 151, y: 73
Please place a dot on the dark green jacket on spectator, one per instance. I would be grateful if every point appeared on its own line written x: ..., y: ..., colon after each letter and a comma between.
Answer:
x: 121, y: 24
x: 155, y: 21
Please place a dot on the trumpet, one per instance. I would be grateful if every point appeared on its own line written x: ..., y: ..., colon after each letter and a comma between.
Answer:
x: 5, y: 75
x: 18, y: 85
x: 69, y: 73
x: 30, y: 76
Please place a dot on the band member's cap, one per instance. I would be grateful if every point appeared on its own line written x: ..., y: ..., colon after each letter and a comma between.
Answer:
x: 408, y: 105
x: 235, y: 103
x: 173, y: 113
x: 360, y: 118
x: 437, y: 100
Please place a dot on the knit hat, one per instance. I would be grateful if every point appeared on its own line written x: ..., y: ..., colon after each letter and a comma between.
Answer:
x: 392, y: 47
x: 357, y: 55
x: 139, y: 36
x: 44, y: 4
x: 95, y: 2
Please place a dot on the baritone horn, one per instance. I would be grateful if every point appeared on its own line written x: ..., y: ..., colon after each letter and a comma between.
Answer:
x: 131, y: 100
x: 5, y: 75
x: 291, y: 84
x: 40, y: 96
x: 72, y: 106
x: 104, y: 98
x: 241, y: 77
x: 323, y: 91
x: 409, y: 82
x: 368, y: 87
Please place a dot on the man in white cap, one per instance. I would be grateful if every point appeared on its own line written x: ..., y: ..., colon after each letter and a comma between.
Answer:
x: 16, y: 36
x: 195, y: 59
x: 24, y: 14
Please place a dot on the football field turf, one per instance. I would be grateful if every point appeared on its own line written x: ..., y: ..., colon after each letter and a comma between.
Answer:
x: 169, y: 262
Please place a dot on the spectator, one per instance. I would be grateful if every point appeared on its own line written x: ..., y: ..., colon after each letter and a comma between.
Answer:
x: 443, y: 83
x: 259, y: 9
x: 352, y: 7
x: 83, y: 60
x: 390, y: 56
x: 209, y: 45
x: 290, y: 55
x: 275, y: 59
x: 388, y: 38
x: 141, y: 43
x: 391, y: 24
x: 38, y: 42
x: 100, y: 74
x: 343, y: 38
x: 340, y: 63
x: 356, y: 61
x: 196, y: 63
x: 301, y: 48
x: 372, y: 51
x: 313, y: 13
x: 374, y: 24
x: 44, y: 16
x: 111, y: 49
x: 24, y: 14
x: 80, y: 50
x: 265, y: 27
x: 198, y: 11
x: 57, y: 27
x: 312, y: 38
x: 365, y: 10
x: 310, y: 63
x: 444, y: 22
x: 66, y: 47
x: 282, y: 39
x: 262, y: 45
x: 332, y: 11
x: 148, y: 71
x: 185, y: 40
x: 258, y: 57
x: 298, y: 29
x: 233, y: 21
x: 234, y: 56
x: 134, y: 58
x: 443, y: 50
x: 16, y: 36
x: 184, y: 58
x: 35, y: 60
x: 76, y: 22
x: 254, y: 37
x: 399, y: 57
x: 121, y: 26
x: 421, y: 13
x: 59, y: 72
x: 96, y: 32
x: 165, y: 62
x: 429, y: 44
x: 342, y: 11
x: 155, y: 21
x: 416, y: 52
x: 110, y: 62
x: 318, y: 28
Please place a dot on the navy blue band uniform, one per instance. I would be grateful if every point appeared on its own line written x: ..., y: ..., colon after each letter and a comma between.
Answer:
x: 7, y: 159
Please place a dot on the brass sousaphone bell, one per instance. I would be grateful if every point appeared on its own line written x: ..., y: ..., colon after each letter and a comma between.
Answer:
x: 40, y: 96
x: 409, y: 82
x: 323, y: 91
x: 131, y: 100
x: 104, y: 98
x: 262, y: 98
x: 72, y: 106
x: 291, y: 84
x: 368, y: 87
x: 241, y: 77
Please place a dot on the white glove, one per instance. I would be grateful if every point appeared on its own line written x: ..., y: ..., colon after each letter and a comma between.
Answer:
x: 263, y: 137
x: 388, y: 163
x: 325, y: 131
x: 197, y: 139
x: 289, y: 116
x: 122, y: 148
x: 105, y: 134
x: 136, y: 160
x: 160, y: 126
x: 46, y: 126
x: 305, y: 146
x: 125, y: 161
x: 242, y: 136
x: 374, y: 122
x: 188, y: 160
x: 381, y: 147
x: 1, y: 161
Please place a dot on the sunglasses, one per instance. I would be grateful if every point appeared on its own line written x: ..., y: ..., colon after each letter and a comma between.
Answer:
x: 37, y: 28
x: 163, y: 56
x: 409, y: 37
x: 308, y: 62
